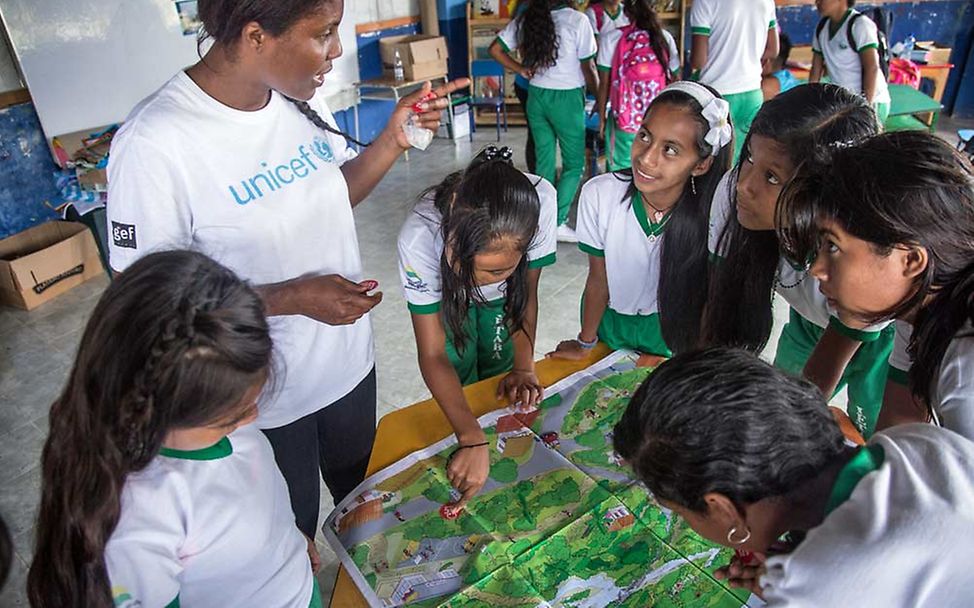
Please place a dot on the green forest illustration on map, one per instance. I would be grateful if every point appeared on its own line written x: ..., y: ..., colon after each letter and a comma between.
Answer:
x: 559, y: 523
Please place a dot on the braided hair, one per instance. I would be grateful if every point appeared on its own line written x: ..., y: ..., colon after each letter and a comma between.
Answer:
x: 175, y: 342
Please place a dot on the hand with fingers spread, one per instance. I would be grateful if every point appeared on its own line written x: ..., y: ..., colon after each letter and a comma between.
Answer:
x: 427, y: 104
x: 744, y: 572
x: 521, y: 386
x: 330, y: 298
x: 467, y: 468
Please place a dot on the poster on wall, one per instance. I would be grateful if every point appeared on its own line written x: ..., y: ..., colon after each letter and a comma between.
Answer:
x: 189, y: 19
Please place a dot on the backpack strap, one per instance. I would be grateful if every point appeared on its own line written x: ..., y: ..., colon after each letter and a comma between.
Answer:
x: 599, y: 17
x: 848, y: 32
x: 821, y: 26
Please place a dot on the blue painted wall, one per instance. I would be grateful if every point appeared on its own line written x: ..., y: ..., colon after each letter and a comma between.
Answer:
x: 27, y: 191
x: 935, y: 21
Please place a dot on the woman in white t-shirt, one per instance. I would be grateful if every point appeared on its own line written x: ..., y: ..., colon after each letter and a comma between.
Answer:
x: 557, y: 49
x: 746, y: 453
x: 804, y: 125
x: 470, y: 258
x: 239, y: 157
x: 891, y: 223
x: 156, y: 488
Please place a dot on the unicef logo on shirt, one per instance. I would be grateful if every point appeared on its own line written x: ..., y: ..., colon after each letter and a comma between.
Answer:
x: 321, y: 149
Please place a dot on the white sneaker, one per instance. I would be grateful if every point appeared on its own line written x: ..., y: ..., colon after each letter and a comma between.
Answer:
x: 566, y: 235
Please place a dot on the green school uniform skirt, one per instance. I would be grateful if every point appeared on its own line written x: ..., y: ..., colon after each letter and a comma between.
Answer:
x: 488, y: 349
x: 865, y: 374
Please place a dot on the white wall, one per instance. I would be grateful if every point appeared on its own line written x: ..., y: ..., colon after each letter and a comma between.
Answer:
x: 367, y: 11
x: 9, y: 78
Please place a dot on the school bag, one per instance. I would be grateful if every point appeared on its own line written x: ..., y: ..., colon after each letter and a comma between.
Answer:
x: 599, y: 11
x: 904, y: 71
x: 637, y: 76
x: 884, y: 24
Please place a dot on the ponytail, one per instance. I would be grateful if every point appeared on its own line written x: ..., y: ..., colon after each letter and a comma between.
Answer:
x: 643, y: 15
x: 537, y: 38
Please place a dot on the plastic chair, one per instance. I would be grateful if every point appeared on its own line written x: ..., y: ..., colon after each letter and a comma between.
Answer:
x: 483, y: 68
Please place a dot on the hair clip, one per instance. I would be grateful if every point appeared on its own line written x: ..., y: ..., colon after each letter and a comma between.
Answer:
x: 842, y: 145
x: 491, y: 153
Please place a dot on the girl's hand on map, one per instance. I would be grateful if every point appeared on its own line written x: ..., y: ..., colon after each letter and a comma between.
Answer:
x: 741, y: 575
x: 468, y: 468
x: 314, y: 556
x: 569, y: 349
x: 521, y: 386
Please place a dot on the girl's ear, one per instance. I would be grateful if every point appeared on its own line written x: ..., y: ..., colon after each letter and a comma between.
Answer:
x: 702, y: 167
x: 723, y: 512
x: 915, y: 261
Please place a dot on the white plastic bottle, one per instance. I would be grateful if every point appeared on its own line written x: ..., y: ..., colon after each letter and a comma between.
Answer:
x: 398, y: 69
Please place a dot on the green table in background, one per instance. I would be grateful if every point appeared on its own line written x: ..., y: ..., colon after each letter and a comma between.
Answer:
x: 905, y: 103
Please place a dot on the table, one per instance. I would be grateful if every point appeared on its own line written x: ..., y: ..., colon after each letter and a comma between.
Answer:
x: 907, y: 101
x: 415, y: 427
x: 387, y: 88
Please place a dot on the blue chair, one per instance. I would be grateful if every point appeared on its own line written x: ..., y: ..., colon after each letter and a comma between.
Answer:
x: 482, y: 68
x: 965, y: 142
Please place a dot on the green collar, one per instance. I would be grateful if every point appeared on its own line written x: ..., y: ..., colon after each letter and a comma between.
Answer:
x: 220, y: 449
x: 618, y: 12
x: 651, y: 229
x: 834, y: 29
x: 867, y: 459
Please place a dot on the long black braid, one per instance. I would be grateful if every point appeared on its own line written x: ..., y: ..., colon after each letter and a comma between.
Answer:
x: 305, y: 108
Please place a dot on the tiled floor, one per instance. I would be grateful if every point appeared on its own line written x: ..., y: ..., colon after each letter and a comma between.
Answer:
x: 37, y: 348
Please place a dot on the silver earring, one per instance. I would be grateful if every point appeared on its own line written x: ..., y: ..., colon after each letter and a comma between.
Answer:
x: 693, y: 185
x: 732, y: 532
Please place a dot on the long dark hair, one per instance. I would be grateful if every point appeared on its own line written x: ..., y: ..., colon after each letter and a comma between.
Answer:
x: 722, y: 420
x: 809, y: 122
x: 643, y: 15
x: 175, y: 342
x: 489, y: 201
x: 905, y: 188
x: 223, y: 20
x: 682, y: 290
x: 537, y: 38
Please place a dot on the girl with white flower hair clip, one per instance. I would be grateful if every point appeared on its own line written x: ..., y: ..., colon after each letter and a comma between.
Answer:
x: 645, y: 229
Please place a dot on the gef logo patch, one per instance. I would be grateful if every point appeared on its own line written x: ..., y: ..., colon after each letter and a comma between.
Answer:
x: 123, y: 235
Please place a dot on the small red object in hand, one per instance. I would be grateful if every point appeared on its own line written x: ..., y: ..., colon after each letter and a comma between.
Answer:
x: 428, y: 97
x: 747, y: 558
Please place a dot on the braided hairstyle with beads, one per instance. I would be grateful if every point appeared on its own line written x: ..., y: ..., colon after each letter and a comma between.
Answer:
x: 175, y: 342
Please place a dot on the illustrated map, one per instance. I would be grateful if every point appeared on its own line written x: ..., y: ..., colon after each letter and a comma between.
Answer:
x: 561, y: 522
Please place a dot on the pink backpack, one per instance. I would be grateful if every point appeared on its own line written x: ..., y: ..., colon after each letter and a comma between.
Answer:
x: 637, y: 77
x: 904, y: 71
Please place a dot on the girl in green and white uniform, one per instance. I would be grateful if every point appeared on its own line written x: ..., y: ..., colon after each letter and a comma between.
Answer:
x: 557, y: 49
x: 645, y: 229
x: 470, y: 257
x: 157, y: 489
x: 891, y: 225
x: 806, y: 124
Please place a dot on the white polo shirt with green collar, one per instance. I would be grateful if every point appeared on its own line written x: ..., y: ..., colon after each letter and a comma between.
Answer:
x: 210, y: 527
x: 844, y: 64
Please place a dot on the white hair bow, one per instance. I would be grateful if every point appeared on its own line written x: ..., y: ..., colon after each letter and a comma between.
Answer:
x: 721, y: 133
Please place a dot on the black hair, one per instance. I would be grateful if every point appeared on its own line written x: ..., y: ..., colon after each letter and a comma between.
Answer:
x: 489, y: 201
x: 223, y: 20
x: 784, y: 48
x: 643, y: 15
x: 176, y: 341
x: 6, y: 553
x: 722, y: 420
x: 682, y: 290
x: 537, y: 38
x: 903, y: 188
x: 808, y: 121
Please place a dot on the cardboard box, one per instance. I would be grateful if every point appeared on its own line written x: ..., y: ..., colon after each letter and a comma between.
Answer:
x: 43, y: 262
x: 422, y: 56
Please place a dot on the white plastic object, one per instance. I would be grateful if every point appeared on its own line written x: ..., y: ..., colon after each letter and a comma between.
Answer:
x: 417, y: 136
